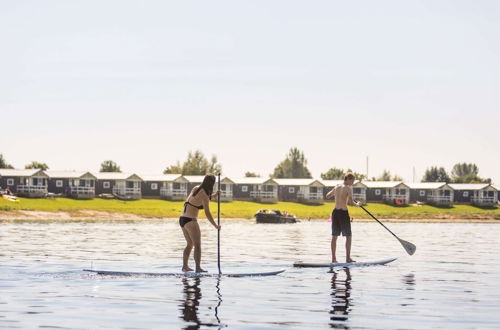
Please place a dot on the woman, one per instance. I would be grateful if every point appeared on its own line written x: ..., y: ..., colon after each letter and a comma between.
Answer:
x: 198, y: 199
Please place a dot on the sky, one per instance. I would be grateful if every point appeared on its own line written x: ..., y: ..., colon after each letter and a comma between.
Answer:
x: 406, y: 84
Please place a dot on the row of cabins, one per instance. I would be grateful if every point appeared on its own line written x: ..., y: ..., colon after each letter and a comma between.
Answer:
x: 86, y: 185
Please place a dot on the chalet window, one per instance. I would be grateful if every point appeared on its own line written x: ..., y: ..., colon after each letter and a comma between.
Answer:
x: 10, y: 182
x: 222, y: 187
x: 356, y: 190
x: 490, y: 194
x: 106, y: 184
x: 313, y: 190
x: 268, y: 188
x: 59, y: 183
x: 291, y: 190
x: 422, y: 193
x: 466, y: 194
x: 377, y: 192
x: 176, y: 185
x: 244, y: 188
x: 154, y: 186
x: 447, y: 193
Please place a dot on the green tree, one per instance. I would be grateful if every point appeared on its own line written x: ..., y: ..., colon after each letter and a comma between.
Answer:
x: 436, y: 174
x: 333, y: 174
x: 294, y: 166
x: 467, y: 173
x: 386, y: 176
x: 339, y: 174
x: 37, y: 165
x: 173, y: 169
x: 109, y: 166
x: 3, y: 163
x: 251, y: 175
x: 397, y: 178
x: 196, y: 164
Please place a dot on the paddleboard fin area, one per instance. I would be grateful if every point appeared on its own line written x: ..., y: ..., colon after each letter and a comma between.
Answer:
x: 344, y: 264
x: 185, y: 274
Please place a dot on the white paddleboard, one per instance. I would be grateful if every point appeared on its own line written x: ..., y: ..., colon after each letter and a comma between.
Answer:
x: 343, y: 264
x: 185, y: 274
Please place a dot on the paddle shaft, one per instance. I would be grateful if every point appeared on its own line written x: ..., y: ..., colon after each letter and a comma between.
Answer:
x: 218, y: 222
x: 378, y: 221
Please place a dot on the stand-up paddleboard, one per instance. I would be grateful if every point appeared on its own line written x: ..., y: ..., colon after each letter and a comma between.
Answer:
x: 344, y: 264
x: 185, y: 274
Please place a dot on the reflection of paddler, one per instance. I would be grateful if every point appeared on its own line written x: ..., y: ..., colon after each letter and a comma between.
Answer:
x: 192, y: 297
x: 341, y: 298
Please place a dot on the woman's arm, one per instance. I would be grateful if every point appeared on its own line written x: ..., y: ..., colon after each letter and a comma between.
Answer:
x: 206, y: 207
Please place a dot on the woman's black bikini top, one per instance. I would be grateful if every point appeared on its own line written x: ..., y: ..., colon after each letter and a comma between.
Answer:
x: 186, y: 203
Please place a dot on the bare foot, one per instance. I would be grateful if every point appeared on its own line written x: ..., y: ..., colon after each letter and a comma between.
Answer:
x: 349, y: 260
x: 334, y: 261
x: 187, y: 269
x: 200, y: 270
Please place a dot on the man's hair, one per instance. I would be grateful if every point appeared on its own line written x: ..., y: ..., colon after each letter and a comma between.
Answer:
x: 349, y: 176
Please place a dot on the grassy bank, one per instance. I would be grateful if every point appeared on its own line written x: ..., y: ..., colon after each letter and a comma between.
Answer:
x: 239, y: 209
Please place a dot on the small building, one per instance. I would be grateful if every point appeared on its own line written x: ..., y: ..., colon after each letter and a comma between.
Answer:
x: 300, y: 190
x: 392, y: 192
x: 79, y: 185
x: 28, y: 183
x: 437, y: 193
x: 480, y: 194
x: 358, y: 189
x: 226, y: 186
x: 256, y: 189
x: 166, y: 186
x: 121, y: 185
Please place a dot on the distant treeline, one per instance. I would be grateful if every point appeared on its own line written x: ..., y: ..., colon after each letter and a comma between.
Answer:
x: 293, y: 166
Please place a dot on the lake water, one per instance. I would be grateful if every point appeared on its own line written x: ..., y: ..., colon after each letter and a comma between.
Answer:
x: 451, y: 282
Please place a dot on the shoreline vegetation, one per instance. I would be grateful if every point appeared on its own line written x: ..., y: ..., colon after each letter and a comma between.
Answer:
x: 65, y: 209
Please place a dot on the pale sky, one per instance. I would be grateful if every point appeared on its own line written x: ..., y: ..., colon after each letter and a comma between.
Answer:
x: 410, y: 84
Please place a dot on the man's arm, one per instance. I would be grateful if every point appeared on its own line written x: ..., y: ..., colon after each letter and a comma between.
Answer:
x: 330, y: 194
x: 350, y: 201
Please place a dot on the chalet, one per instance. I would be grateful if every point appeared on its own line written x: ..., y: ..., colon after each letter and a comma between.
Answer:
x: 226, y: 185
x: 257, y: 189
x: 392, y: 192
x: 167, y: 186
x: 29, y: 183
x: 300, y: 190
x: 437, y: 193
x: 358, y: 189
x: 121, y: 185
x: 481, y: 194
x: 79, y: 185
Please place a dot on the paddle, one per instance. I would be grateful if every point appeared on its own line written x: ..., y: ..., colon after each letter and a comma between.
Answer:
x: 409, y: 247
x: 218, y: 223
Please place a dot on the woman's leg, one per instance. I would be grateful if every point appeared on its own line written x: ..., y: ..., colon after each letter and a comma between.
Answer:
x: 187, y: 251
x: 193, y: 230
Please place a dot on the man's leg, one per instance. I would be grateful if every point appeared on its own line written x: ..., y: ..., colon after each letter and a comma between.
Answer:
x: 348, y: 243
x: 334, y: 249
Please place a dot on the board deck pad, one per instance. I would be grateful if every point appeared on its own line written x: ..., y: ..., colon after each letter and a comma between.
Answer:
x: 344, y: 264
x: 180, y: 274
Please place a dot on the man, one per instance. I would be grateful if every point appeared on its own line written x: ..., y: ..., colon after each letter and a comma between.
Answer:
x: 341, y: 222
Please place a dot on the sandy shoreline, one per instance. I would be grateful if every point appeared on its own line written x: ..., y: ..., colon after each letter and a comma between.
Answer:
x: 91, y: 216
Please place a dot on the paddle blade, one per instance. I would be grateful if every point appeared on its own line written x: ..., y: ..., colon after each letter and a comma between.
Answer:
x: 409, y: 247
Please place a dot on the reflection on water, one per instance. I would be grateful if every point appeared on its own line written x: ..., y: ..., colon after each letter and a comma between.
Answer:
x: 192, y: 297
x: 450, y: 283
x: 191, y: 303
x: 341, y: 298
